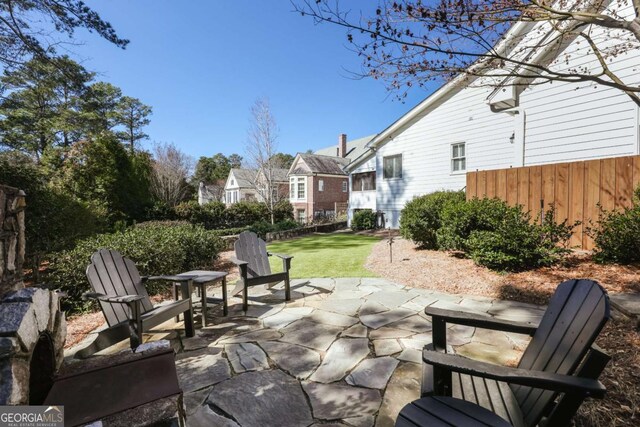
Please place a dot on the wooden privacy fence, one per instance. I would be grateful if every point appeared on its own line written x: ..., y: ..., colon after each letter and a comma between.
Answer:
x: 575, y: 188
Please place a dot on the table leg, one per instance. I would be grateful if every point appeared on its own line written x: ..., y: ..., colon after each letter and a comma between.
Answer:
x: 187, y: 289
x: 174, y: 288
x: 203, y: 295
x: 225, y: 308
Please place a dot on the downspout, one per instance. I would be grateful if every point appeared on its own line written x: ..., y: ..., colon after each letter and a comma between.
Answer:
x: 518, y: 134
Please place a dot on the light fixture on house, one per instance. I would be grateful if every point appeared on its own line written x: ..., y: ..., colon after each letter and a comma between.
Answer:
x: 512, y: 138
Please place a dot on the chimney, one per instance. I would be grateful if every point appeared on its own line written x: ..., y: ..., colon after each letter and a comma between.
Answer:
x: 342, y: 145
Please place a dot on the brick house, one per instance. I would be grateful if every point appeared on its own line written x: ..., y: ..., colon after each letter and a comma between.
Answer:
x: 318, y: 183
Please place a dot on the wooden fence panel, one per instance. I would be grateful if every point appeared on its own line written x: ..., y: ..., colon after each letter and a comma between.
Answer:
x: 512, y: 187
x: 624, y: 182
x: 576, y: 201
x: 561, y: 191
x: 523, y: 188
x: 535, y: 191
x: 576, y: 189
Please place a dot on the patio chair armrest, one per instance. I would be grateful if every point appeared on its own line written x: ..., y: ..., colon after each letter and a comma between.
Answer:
x: 115, y: 299
x: 536, y: 379
x: 170, y: 278
x: 481, y: 321
x: 238, y: 262
x: 281, y: 256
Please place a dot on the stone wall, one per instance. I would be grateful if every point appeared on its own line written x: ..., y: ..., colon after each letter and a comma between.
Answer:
x: 12, y: 238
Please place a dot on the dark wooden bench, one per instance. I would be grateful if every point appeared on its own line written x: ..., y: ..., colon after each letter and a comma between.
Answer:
x: 557, y: 371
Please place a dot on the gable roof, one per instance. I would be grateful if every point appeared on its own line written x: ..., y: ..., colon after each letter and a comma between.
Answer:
x: 445, y: 92
x: 317, y: 163
x: 355, y: 148
x: 280, y: 175
x: 244, y: 177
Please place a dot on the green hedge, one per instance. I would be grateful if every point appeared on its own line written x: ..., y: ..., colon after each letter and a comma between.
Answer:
x: 489, y: 231
x: 363, y: 220
x: 420, y: 218
x: 616, y: 235
x: 155, y: 248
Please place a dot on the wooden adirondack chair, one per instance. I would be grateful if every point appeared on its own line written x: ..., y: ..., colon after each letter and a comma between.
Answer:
x: 557, y: 371
x: 125, y: 303
x: 253, y: 260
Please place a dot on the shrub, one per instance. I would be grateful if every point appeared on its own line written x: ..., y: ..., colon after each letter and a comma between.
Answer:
x: 155, y: 248
x: 261, y: 228
x: 363, y: 220
x: 420, y: 218
x: 458, y: 220
x: 211, y: 215
x: 515, y: 243
x: 283, y: 211
x: 288, y: 224
x: 245, y: 213
x: 617, y: 236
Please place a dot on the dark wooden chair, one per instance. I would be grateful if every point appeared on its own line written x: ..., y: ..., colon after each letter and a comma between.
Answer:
x: 125, y: 303
x: 253, y: 260
x: 557, y: 371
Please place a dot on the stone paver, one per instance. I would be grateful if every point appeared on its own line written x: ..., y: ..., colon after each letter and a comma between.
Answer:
x: 386, y: 347
x: 412, y: 323
x: 341, y: 352
x: 286, y: 317
x: 383, y: 318
x: 342, y: 356
x: 355, y: 331
x: 200, y: 369
x: 307, y: 333
x: 296, y: 360
x: 404, y: 387
x: 205, y: 417
x: 329, y: 318
x: 347, y: 307
x: 373, y: 373
x: 246, y: 357
x: 334, y: 402
x: 262, y: 399
x: 627, y: 303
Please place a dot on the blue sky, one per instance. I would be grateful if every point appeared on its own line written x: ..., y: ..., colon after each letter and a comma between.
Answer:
x: 202, y: 64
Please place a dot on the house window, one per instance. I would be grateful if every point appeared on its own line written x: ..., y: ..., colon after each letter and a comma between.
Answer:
x: 458, y: 157
x: 292, y: 190
x: 321, y: 185
x: 233, y: 183
x: 345, y: 186
x: 301, y: 188
x: 363, y: 181
x: 301, y: 216
x: 392, y: 166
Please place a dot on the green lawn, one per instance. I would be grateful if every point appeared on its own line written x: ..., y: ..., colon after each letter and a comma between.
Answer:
x: 325, y: 255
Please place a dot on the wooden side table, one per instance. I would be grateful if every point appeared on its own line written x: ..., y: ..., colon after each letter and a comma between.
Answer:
x: 447, y: 411
x: 200, y: 279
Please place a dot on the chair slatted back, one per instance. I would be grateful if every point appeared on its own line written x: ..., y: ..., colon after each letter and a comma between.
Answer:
x: 575, y: 316
x: 252, y: 249
x: 111, y: 274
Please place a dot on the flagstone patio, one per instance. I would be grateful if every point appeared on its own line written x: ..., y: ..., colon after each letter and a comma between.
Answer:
x: 341, y: 352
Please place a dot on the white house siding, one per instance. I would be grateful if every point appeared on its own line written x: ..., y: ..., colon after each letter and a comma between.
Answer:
x: 425, y: 146
x: 362, y: 199
x: 564, y: 122
x: 581, y: 121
